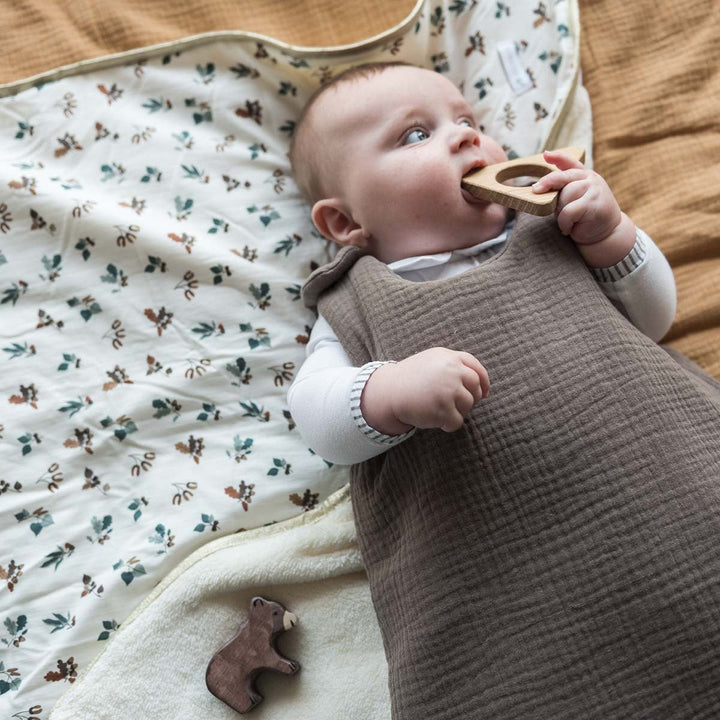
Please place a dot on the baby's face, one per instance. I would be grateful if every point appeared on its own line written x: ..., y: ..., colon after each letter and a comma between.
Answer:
x: 399, y: 144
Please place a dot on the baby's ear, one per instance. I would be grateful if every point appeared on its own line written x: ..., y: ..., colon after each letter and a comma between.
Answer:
x: 333, y: 220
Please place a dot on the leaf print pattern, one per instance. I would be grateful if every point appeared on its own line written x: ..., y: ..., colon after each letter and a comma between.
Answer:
x: 152, y: 250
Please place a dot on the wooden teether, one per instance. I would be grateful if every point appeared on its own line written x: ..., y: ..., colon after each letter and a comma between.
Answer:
x: 487, y: 183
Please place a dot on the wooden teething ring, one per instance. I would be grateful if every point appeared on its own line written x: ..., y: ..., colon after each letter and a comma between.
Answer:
x: 487, y: 183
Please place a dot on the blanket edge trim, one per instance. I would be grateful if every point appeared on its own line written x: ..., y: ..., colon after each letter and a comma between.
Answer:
x: 191, y: 41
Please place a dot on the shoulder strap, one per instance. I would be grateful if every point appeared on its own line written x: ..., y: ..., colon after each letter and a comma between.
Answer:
x: 327, y: 275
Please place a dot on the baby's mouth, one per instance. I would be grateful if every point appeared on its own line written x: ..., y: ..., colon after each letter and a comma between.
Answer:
x: 477, y: 165
x: 467, y: 195
x: 470, y: 198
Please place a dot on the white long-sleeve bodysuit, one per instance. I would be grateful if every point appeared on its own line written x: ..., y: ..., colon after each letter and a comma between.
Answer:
x: 325, y: 397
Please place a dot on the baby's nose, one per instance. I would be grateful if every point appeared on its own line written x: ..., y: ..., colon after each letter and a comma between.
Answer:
x: 464, y: 136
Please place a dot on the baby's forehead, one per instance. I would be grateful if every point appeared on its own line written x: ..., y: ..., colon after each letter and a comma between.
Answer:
x: 360, y: 101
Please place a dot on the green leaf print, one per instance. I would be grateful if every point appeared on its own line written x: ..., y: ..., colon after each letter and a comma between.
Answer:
x: 115, y: 276
x: 209, y: 329
x: 110, y: 626
x: 501, y: 9
x: 53, y: 266
x: 136, y: 506
x: 241, y: 448
x: 267, y: 213
x: 183, y: 208
x: 57, y: 556
x: 218, y: 224
x: 252, y: 410
x: 289, y: 243
x: 23, y: 129
x: 241, y: 370
x: 163, y: 536
x: 154, y: 105
x: 27, y: 441
x: 133, y: 569
x: 206, y: 72
x: 150, y: 173
x: 192, y: 173
x: 204, y: 113
x: 262, y: 294
x: 13, y: 293
x: 89, y: 306
x: 60, y: 622
x: 102, y: 529
x: 278, y: 465
x: 208, y: 521
x: 17, y: 350
x: 261, y: 338
x: 112, y: 172
x: 10, y: 679
x: 17, y: 629
x: 256, y: 149
x: 41, y: 517
x: 69, y: 359
x: 166, y: 406
x: 72, y: 407
x: 244, y: 71
x: 210, y: 412
x: 82, y: 246
x: 219, y: 271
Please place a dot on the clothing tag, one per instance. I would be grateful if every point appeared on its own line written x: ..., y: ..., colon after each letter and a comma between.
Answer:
x: 517, y: 76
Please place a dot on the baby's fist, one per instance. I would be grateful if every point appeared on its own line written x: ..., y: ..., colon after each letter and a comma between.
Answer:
x: 435, y: 388
x: 587, y: 210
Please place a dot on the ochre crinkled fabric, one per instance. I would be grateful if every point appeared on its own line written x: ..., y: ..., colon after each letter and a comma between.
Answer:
x: 653, y: 74
x: 39, y: 35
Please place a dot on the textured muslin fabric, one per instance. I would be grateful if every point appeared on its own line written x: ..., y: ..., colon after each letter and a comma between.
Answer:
x: 558, y: 556
x: 61, y: 33
x: 653, y: 74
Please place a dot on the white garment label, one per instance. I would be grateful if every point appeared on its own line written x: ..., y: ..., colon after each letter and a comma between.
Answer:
x: 516, y: 74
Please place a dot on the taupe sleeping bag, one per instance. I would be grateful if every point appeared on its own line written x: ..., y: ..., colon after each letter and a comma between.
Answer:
x: 559, y: 556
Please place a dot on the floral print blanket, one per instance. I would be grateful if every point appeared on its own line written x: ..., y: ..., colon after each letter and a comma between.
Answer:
x: 152, y: 248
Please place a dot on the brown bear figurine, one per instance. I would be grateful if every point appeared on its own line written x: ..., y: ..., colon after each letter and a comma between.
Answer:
x: 232, y: 671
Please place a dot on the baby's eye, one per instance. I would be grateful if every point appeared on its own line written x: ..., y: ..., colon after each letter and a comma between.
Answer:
x: 466, y: 123
x: 415, y: 136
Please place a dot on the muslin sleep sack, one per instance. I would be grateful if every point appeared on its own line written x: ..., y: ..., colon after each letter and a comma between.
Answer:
x: 558, y: 556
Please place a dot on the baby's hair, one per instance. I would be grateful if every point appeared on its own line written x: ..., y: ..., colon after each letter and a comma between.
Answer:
x: 305, y: 158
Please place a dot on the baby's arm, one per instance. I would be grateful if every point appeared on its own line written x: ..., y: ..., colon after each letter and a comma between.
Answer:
x: 328, y: 400
x: 324, y: 402
x: 642, y: 286
x: 630, y: 268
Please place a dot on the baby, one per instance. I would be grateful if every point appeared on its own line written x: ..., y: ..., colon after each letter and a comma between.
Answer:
x: 549, y: 549
x: 380, y: 153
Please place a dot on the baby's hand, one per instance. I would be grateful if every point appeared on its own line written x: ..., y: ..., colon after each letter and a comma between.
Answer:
x: 587, y: 211
x: 435, y: 388
x: 586, y: 208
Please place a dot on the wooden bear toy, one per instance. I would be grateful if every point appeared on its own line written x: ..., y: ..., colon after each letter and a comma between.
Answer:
x: 232, y: 672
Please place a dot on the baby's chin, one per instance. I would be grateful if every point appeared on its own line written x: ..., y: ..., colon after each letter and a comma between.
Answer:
x: 486, y: 220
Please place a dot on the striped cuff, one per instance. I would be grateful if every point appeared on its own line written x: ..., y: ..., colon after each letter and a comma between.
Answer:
x: 631, y: 262
x: 356, y: 394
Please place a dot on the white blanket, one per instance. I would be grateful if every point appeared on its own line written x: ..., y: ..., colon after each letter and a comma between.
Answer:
x: 155, y: 666
x: 152, y: 247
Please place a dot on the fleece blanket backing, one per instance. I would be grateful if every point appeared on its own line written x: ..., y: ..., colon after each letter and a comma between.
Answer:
x: 155, y: 667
